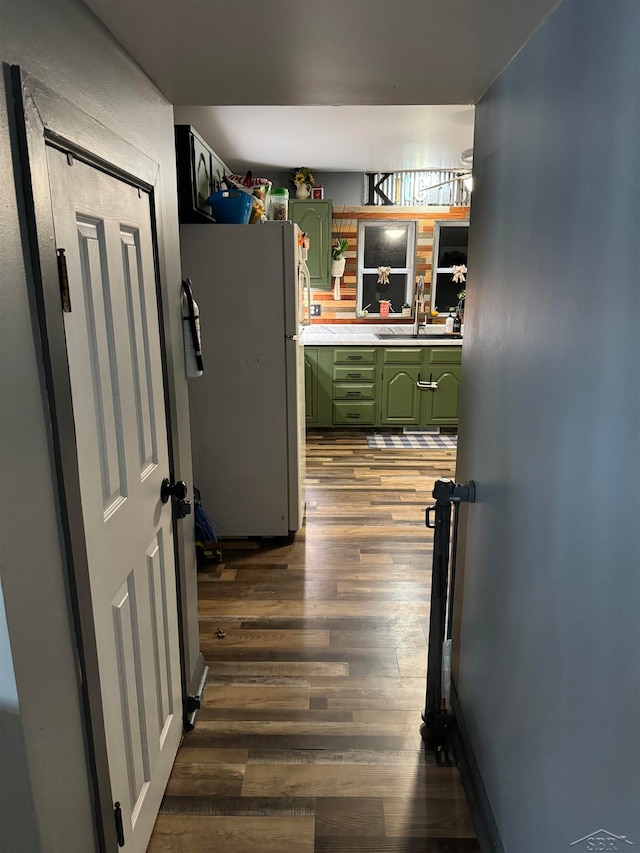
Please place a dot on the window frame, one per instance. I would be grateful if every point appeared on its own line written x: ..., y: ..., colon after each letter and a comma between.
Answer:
x: 409, y: 270
x: 436, y: 271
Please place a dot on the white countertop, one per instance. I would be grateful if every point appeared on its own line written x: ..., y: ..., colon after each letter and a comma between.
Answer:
x: 353, y: 334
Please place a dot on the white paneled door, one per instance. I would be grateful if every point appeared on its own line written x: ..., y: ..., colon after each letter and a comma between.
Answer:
x: 113, y: 344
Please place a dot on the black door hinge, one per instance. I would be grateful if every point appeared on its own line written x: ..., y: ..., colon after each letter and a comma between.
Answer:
x: 117, y: 812
x: 64, y: 281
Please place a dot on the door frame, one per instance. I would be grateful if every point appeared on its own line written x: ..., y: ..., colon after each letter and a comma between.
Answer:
x: 43, y: 118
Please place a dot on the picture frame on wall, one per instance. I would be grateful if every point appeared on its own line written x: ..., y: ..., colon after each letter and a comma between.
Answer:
x: 317, y: 191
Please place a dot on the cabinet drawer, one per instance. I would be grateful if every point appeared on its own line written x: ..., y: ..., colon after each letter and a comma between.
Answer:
x: 364, y: 374
x: 353, y: 391
x: 353, y: 413
x: 402, y: 355
x: 445, y: 355
x: 362, y: 355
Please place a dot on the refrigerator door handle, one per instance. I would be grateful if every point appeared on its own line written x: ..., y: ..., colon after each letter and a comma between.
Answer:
x: 306, y: 285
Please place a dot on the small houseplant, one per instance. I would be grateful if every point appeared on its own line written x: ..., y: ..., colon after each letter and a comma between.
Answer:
x: 339, y: 248
x: 338, y: 259
x: 406, y: 309
x: 338, y: 262
x: 385, y: 307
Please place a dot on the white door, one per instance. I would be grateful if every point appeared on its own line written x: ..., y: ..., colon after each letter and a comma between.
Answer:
x: 115, y: 367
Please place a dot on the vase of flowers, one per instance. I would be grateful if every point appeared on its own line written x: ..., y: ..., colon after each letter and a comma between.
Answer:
x: 303, y: 180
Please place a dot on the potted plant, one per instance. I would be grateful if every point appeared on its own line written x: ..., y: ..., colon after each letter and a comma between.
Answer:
x: 338, y: 259
x: 406, y: 309
x: 339, y: 248
x: 385, y: 307
x: 303, y: 180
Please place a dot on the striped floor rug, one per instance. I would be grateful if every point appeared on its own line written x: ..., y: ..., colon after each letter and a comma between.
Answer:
x: 436, y: 442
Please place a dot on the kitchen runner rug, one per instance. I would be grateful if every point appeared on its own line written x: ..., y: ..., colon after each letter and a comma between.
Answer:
x: 433, y: 442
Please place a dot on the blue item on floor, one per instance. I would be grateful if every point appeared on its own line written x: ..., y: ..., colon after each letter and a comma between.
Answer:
x: 205, y: 530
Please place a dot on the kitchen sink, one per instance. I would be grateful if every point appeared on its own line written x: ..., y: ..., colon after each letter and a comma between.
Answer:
x: 387, y: 336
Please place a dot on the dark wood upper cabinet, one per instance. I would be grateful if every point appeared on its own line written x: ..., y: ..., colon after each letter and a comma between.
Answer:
x: 200, y: 171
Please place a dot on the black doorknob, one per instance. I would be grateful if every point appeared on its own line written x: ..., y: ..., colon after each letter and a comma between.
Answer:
x: 177, y: 490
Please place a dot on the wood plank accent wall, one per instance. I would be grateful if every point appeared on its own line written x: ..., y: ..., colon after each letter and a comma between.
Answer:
x: 345, y: 224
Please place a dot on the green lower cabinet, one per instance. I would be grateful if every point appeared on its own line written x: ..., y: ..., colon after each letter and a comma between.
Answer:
x: 440, y: 407
x: 352, y: 386
x: 400, y: 396
x: 311, y: 385
x: 319, y: 386
x: 348, y: 413
x: 441, y: 365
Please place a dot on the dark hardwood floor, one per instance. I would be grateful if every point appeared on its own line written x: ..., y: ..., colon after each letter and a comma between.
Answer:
x: 308, y: 739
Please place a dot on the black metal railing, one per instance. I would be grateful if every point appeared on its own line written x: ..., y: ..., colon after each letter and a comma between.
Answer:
x: 448, y: 496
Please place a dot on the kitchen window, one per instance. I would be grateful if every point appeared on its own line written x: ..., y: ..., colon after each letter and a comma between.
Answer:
x: 450, y: 240
x: 386, y: 243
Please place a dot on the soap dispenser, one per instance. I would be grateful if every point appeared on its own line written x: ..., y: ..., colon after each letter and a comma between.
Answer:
x: 448, y: 325
x: 457, y: 324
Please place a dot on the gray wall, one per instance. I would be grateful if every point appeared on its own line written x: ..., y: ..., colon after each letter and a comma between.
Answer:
x: 549, y: 635
x: 61, y: 43
x: 340, y: 187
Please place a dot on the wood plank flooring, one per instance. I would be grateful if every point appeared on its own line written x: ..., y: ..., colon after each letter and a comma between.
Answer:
x: 308, y: 740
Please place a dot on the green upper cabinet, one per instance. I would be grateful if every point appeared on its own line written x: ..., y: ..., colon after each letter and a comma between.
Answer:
x: 314, y: 217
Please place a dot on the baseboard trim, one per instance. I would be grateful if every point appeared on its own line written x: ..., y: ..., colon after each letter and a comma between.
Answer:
x: 479, y: 806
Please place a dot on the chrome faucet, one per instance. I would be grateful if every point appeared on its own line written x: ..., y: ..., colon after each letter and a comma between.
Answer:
x: 416, y: 319
x: 416, y: 303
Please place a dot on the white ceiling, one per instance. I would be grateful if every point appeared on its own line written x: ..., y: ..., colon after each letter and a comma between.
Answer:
x: 350, y: 139
x: 338, y: 54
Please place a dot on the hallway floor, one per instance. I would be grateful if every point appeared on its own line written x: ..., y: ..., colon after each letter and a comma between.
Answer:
x: 308, y: 739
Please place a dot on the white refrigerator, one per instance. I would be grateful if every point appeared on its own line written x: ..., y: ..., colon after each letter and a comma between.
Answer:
x: 248, y: 409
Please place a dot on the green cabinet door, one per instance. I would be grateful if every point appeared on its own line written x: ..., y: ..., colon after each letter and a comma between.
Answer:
x: 311, y: 384
x: 314, y: 217
x: 443, y: 403
x: 400, y: 396
x: 318, y: 362
x: 441, y: 365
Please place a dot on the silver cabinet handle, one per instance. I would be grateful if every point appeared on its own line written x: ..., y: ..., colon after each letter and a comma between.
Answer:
x: 427, y: 386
